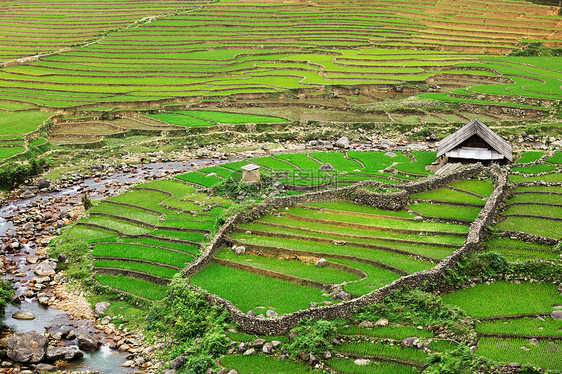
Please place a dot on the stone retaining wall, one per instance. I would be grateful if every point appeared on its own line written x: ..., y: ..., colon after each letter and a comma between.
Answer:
x: 282, y: 324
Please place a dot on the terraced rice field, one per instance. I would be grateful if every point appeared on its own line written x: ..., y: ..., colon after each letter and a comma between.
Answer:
x: 142, y: 238
x: 535, y: 209
x: 203, y: 49
x: 365, y: 248
x: 507, y: 321
x: 301, y: 170
x: 461, y: 201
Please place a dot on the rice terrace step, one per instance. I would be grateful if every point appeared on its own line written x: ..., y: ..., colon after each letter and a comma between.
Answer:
x: 281, y: 186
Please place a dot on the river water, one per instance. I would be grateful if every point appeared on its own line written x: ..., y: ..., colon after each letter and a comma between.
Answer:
x: 105, y: 360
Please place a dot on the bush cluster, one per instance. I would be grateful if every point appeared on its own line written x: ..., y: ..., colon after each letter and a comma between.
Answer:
x: 196, y: 328
x: 12, y: 175
x: 527, y: 48
x: 313, y: 337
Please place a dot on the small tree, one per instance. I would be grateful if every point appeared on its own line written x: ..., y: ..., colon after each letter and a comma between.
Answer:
x: 86, y: 201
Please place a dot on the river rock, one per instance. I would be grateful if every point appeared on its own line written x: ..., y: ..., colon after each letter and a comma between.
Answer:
x: 46, y: 368
x: 326, y: 167
x: 26, y: 194
x: 63, y: 353
x: 23, y: 315
x: 178, y: 362
x: 100, y: 308
x: 342, y: 295
x: 343, y: 142
x: 362, y: 362
x: 27, y: 347
x: 320, y: 263
x: 87, y: 342
x: 267, y: 348
x: 271, y: 313
x: 28, y: 226
x: 409, y: 342
x: 239, y: 250
x: 44, y: 269
x: 556, y: 315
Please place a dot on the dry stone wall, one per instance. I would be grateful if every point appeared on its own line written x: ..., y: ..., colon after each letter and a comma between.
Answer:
x: 282, y: 324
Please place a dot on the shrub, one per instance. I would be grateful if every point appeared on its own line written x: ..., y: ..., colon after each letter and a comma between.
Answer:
x: 196, y: 327
x: 6, y: 295
x: 312, y: 337
x: 412, y: 306
x: 459, y: 361
x: 86, y: 201
x: 12, y: 175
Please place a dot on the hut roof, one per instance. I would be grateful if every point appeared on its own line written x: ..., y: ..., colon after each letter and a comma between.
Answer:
x: 476, y: 127
x: 250, y: 167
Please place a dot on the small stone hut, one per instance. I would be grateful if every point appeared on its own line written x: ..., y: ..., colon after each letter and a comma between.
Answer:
x: 475, y: 142
x: 251, y: 174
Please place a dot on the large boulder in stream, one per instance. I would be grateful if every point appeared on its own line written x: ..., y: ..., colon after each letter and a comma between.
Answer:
x: 27, y: 347
x: 44, y: 269
x: 23, y: 315
x: 100, y: 308
x: 63, y: 353
x: 87, y: 342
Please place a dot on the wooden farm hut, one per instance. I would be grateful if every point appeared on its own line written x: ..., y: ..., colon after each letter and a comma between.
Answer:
x: 475, y: 142
x: 251, y: 174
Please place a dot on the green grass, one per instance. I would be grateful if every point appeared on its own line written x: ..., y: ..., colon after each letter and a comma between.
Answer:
x: 6, y: 152
x: 419, y: 247
x: 21, y: 123
x: 523, y: 254
x: 534, y: 169
x: 397, y: 332
x: 259, y: 364
x: 138, y: 287
x: 183, y: 235
x: 418, y: 167
x: 127, y: 212
x: 133, y: 251
x: 537, y: 210
x: 556, y: 158
x: 383, y: 350
x: 379, y: 222
x: 539, y: 189
x: 446, y: 194
x: 159, y: 271
x: 522, y: 326
x: 536, y: 198
x: 120, y: 225
x: 301, y: 160
x: 505, y: 299
x: 180, y: 119
x: 536, y: 226
x: 481, y: 187
x: 348, y: 206
x: 87, y: 233
x: 546, y: 354
x: 376, y: 161
x: 292, y: 267
x: 146, y: 199
x: 295, y: 226
x: 347, y: 366
x: 529, y: 156
x: 406, y: 263
x: 199, y: 178
x: 337, y: 160
x: 446, y: 211
x: 169, y: 185
x: 553, y: 177
x: 225, y: 117
x: 187, y: 248
x: 240, y: 288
